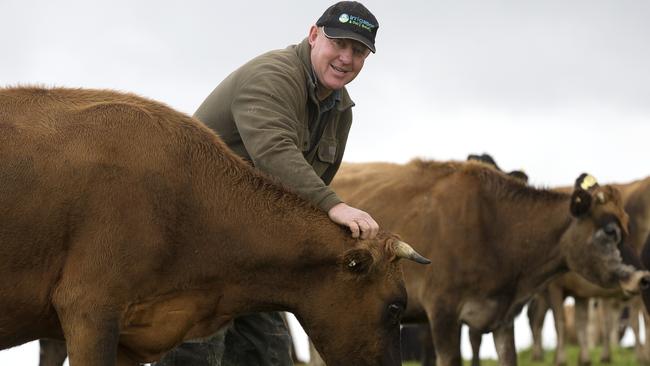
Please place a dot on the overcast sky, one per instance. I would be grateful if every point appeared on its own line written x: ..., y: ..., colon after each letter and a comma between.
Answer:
x: 555, y: 87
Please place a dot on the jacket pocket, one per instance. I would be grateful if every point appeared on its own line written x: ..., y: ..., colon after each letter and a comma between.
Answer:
x: 327, y: 151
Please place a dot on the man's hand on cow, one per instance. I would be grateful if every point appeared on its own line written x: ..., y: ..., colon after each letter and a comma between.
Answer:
x: 359, y: 222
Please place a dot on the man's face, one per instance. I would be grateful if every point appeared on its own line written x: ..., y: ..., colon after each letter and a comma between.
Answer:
x: 336, y: 62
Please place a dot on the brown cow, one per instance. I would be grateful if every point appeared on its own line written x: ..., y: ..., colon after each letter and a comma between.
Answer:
x: 475, y: 336
x: 493, y: 241
x: 636, y: 200
x: 128, y: 227
x: 572, y: 284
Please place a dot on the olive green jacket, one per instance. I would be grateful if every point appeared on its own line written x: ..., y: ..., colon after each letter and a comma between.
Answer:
x: 263, y: 111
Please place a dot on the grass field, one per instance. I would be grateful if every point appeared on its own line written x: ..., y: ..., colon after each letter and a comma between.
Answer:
x: 620, y: 357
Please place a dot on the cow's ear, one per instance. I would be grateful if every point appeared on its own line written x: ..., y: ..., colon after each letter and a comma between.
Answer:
x: 519, y: 174
x: 586, y: 182
x: 580, y: 202
x: 357, y: 261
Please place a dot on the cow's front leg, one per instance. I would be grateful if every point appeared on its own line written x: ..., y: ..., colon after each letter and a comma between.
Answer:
x: 537, y: 309
x: 428, y: 351
x: 445, y: 329
x: 556, y: 301
x: 90, y: 340
x: 475, y: 339
x: 124, y: 360
x: 645, y: 317
x: 635, y: 312
x: 581, y: 316
x: 608, y: 313
x: 91, y: 331
x: 504, y: 341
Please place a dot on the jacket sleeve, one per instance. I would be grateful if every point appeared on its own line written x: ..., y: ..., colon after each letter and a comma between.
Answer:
x: 266, y: 110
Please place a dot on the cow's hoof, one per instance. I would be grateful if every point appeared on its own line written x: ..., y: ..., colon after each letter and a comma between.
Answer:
x: 584, y: 363
x: 605, y: 360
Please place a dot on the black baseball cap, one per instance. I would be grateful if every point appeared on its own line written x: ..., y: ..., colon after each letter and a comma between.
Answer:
x: 351, y: 20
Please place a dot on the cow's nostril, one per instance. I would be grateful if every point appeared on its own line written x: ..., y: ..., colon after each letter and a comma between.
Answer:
x: 610, y: 229
x: 644, y: 283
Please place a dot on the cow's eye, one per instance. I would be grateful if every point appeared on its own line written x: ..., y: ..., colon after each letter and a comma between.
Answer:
x: 395, y: 312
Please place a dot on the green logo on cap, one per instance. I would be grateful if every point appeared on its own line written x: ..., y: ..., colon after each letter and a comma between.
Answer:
x: 355, y: 20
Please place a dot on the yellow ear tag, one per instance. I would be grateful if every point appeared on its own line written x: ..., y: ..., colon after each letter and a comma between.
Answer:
x: 588, y: 182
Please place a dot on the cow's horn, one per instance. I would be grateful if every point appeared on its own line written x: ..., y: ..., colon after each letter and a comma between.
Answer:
x: 403, y: 250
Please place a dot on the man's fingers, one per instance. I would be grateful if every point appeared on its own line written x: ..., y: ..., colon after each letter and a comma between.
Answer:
x: 371, y: 229
x: 365, y: 228
x: 361, y: 224
x: 354, y: 227
x: 374, y: 230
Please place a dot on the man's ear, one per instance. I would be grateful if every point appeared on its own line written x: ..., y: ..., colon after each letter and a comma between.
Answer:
x: 313, y: 33
x: 580, y: 202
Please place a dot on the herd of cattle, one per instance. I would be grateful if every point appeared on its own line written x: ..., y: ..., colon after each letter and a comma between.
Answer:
x: 128, y: 227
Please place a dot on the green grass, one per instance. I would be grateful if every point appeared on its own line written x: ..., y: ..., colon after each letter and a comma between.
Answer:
x: 620, y: 357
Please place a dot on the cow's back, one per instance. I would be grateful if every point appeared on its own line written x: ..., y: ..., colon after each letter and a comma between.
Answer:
x: 413, y: 201
x: 636, y: 196
x: 450, y: 212
x: 74, y: 164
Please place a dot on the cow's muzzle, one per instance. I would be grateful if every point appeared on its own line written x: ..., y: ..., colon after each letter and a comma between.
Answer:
x: 633, y: 281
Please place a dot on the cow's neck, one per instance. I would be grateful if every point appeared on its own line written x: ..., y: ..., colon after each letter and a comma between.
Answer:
x: 538, y: 253
x: 264, y: 246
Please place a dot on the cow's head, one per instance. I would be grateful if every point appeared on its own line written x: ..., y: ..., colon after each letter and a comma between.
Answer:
x: 592, y: 243
x: 353, y: 315
x: 489, y: 160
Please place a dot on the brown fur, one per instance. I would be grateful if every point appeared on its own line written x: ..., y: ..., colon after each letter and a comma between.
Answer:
x: 493, y: 241
x: 636, y: 200
x: 128, y: 227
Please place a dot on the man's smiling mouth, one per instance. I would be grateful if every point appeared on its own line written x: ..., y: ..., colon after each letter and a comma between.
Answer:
x: 339, y: 69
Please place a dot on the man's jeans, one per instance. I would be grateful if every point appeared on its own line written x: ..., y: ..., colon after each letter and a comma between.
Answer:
x: 259, y: 339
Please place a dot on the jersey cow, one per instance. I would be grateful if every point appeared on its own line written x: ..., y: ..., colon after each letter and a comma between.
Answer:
x: 493, y: 241
x: 127, y: 227
x: 636, y: 201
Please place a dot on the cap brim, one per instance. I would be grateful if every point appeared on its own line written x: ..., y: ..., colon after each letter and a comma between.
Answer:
x: 346, y: 34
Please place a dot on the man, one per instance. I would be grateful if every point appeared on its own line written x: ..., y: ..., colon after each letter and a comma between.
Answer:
x: 288, y: 113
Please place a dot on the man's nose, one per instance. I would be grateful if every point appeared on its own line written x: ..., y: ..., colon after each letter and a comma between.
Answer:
x: 346, y: 55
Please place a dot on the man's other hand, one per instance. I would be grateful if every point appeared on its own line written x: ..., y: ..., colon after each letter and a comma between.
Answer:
x: 359, y: 222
